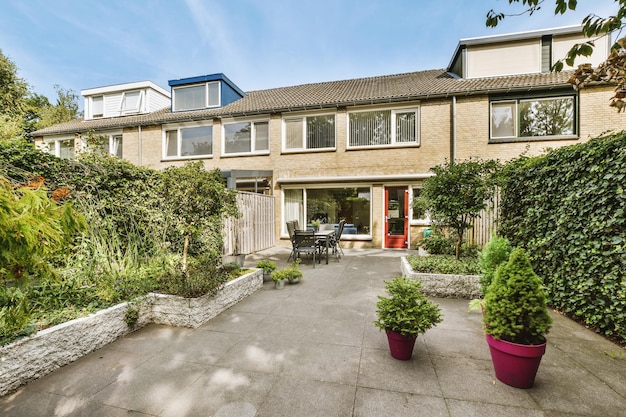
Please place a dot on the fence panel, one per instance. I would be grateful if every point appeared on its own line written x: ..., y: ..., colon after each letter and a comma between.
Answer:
x: 485, y: 224
x: 254, y: 230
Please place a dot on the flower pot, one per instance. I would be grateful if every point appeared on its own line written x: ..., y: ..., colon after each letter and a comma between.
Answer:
x: 401, y: 347
x: 279, y: 285
x: 515, y: 365
x: 294, y: 280
x: 267, y: 276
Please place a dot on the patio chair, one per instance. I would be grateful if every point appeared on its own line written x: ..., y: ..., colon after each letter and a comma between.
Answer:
x: 291, y: 228
x: 305, y: 242
x: 336, y: 239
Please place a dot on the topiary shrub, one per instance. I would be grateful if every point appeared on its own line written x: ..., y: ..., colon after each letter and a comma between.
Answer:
x: 495, y: 253
x: 515, y: 303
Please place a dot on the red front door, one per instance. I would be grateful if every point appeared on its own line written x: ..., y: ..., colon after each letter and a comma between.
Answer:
x: 396, y: 217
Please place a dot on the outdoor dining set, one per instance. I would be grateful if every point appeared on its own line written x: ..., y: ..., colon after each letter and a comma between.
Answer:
x: 315, y: 242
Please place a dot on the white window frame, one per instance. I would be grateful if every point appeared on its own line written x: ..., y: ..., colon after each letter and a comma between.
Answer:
x: 56, y: 151
x: 394, y: 111
x: 303, y: 119
x: 178, y: 128
x: 516, y: 116
x: 92, y: 106
x: 424, y: 221
x: 207, y: 104
x: 253, y: 150
x: 123, y: 109
x: 306, y: 187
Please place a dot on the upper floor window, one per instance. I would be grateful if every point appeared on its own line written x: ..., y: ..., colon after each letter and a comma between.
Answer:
x: 188, y: 141
x: 97, y: 106
x: 198, y: 96
x: 309, y: 132
x: 246, y: 137
x: 533, y: 118
x: 131, y: 102
x: 383, y: 128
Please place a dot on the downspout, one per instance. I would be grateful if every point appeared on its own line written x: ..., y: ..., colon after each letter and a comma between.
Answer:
x: 453, y: 131
x: 139, y: 145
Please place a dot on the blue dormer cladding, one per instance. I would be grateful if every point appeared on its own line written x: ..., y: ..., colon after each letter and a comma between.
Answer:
x: 227, y: 92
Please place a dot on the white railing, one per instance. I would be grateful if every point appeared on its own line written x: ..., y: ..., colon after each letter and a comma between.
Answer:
x: 254, y: 230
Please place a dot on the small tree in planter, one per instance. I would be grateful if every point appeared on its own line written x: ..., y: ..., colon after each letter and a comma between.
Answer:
x: 516, y: 320
x: 405, y: 315
x: 457, y: 193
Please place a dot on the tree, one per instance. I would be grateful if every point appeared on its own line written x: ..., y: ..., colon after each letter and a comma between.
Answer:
x: 197, y: 200
x: 457, y: 193
x: 22, y: 111
x: 613, y: 69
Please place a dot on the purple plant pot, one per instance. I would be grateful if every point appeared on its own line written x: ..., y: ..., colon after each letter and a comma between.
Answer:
x: 401, y: 347
x: 515, y: 365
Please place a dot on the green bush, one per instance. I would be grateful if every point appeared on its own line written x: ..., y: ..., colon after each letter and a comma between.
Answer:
x: 444, y: 264
x: 408, y: 311
x: 495, y: 253
x: 515, y: 303
x: 568, y: 209
x: 201, y: 277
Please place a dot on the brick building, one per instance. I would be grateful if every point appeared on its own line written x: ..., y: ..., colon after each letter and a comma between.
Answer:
x: 355, y: 149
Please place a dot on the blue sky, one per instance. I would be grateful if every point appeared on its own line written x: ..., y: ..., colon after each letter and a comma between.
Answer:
x: 258, y: 44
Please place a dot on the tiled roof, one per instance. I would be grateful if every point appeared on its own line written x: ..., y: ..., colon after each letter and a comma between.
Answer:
x: 389, y: 88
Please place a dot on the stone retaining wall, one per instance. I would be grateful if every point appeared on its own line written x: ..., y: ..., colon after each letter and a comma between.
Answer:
x: 35, y: 356
x: 444, y: 285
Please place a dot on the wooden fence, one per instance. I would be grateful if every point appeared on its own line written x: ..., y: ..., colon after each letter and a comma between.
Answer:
x: 485, y: 224
x: 254, y: 230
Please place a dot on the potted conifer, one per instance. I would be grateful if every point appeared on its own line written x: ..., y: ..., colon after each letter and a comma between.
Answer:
x: 405, y: 315
x: 516, y: 320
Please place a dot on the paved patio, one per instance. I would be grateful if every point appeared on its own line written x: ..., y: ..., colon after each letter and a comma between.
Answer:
x: 311, y: 350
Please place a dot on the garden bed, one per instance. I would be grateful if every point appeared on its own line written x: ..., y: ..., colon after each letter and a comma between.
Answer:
x: 35, y: 356
x: 444, y: 285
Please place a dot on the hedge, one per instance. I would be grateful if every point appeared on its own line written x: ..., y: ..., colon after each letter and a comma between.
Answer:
x: 567, y: 209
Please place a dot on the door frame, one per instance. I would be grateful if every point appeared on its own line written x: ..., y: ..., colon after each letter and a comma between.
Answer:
x: 407, y: 225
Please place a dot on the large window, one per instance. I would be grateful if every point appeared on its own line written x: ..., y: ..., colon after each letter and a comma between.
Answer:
x: 528, y: 118
x: 198, y: 96
x: 418, y: 215
x: 383, y: 128
x: 330, y: 205
x: 187, y: 142
x: 311, y: 132
x: 246, y: 137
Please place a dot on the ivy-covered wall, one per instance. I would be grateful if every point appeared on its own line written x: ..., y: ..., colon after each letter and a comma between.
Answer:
x: 567, y: 208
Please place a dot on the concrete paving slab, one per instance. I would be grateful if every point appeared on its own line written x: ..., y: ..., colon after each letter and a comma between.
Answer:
x: 312, y: 350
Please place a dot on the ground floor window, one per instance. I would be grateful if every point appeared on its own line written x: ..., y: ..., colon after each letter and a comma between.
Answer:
x: 329, y: 206
x: 62, y: 148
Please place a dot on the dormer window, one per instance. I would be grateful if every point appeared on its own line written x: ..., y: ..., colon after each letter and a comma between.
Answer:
x: 97, y: 106
x: 131, y: 102
x: 198, y: 96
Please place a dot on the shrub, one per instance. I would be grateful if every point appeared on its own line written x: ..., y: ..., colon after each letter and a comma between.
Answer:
x: 444, y: 264
x: 495, y: 252
x: 515, y: 303
x: 267, y: 266
x: 201, y: 277
x: 407, y: 311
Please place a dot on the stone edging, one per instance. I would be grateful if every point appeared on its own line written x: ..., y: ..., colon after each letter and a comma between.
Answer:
x: 33, y: 357
x: 444, y: 285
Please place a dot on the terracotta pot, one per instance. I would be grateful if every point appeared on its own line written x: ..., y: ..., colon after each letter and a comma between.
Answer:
x: 515, y: 365
x: 401, y: 347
